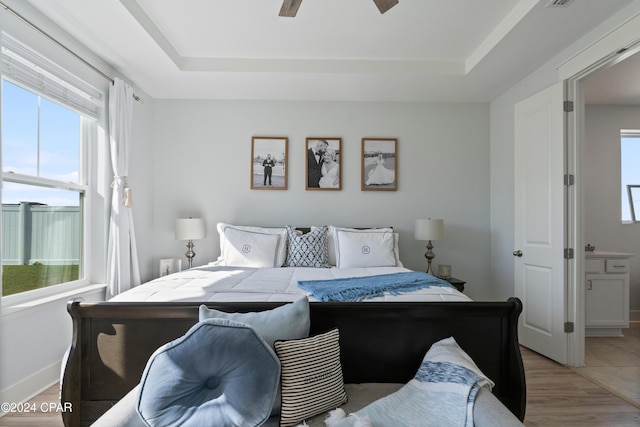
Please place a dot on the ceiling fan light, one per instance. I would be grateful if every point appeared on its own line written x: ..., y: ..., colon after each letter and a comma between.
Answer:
x: 384, y: 5
x: 290, y: 8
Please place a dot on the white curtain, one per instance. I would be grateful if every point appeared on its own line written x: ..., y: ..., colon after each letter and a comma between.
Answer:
x: 122, y: 258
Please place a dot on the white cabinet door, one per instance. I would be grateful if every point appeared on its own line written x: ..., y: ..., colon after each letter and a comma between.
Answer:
x: 607, y: 301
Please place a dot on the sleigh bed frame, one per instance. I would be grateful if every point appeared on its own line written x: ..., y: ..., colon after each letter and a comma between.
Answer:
x: 380, y: 342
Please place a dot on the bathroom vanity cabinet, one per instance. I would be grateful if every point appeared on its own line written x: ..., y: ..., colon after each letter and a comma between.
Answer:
x: 607, y: 293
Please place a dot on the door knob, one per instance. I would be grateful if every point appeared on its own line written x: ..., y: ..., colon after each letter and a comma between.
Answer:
x: 517, y: 253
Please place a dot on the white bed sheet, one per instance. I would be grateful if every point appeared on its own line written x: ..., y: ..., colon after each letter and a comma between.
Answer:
x: 217, y: 283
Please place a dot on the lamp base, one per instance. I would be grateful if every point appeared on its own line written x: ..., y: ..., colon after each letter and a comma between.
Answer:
x: 190, y: 253
x: 429, y: 256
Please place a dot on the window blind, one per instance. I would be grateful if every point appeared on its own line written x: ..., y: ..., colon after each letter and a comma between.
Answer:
x: 28, y: 68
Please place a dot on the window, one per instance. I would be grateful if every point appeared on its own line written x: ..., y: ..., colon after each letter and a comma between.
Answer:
x: 45, y: 116
x: 43, y: 192
x: 630, y: 175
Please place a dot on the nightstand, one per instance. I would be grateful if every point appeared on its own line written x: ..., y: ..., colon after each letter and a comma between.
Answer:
x: 457, y: 283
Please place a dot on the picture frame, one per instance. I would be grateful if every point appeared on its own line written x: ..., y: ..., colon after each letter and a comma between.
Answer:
x: 379, y: 159
x: 324, y: 171
x: 269, y: 162
x: 170, y: 266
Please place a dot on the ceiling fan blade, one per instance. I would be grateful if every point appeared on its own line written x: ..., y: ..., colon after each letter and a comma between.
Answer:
x: 290, y: 8
x: 384, y: 5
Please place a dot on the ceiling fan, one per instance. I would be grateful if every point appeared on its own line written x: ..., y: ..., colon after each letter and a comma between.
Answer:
x: 290, y: 7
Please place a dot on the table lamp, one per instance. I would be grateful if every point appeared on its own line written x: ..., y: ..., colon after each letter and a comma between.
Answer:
x: 429, y: 229
x: 190, y: 229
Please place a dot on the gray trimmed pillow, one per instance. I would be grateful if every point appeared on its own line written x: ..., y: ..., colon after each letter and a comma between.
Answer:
x: 308, y: 250
x: 365, y: 249
x: 251, y: 249
x: 311, y: 377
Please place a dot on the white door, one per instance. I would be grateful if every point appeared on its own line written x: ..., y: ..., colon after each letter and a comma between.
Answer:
x: 539, y: 222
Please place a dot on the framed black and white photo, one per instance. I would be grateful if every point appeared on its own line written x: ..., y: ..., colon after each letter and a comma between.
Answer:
x: 379, y: 164
x: 269, y: 163
x: 324, y: 164
x: 169, y: 266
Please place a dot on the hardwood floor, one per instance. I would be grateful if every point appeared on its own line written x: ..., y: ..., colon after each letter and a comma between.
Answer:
x: 559, y: 397
x: 614, y: 363
x: 38, y: 418
x: 556, y: 397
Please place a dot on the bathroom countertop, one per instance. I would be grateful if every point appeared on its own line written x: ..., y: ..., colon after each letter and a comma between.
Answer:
x: 606, y: 254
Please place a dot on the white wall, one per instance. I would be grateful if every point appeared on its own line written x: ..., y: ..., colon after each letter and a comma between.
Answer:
x: 601, y: 159
x: 33, y: 340
x: 202, y: 153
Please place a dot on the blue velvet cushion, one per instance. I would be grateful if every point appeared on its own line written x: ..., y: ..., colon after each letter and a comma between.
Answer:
x: 220, y: 373
x: 287, y: 322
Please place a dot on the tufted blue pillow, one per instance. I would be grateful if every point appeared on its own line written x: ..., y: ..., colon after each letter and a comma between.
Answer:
x: 308, y: 250
x: 287, y: 322
x: 220, y: 373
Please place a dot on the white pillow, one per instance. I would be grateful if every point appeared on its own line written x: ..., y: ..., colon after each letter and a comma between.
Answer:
x: 362, y: 249
x: 331, y: 240
x: 265, y: 251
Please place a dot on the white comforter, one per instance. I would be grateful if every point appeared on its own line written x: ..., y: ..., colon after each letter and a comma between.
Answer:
x: 216, y: 283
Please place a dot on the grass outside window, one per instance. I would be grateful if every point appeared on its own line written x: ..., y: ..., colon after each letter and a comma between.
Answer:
x: 22, y: 278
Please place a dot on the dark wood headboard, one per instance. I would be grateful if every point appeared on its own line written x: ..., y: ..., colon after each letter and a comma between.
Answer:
x: 380, y: 342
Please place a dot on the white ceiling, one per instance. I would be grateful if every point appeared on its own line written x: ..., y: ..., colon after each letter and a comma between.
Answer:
x: 420, y: 50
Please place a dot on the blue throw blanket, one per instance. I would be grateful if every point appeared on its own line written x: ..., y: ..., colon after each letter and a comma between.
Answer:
x: 361, y: 288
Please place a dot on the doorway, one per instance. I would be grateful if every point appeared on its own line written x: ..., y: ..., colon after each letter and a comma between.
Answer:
x: 597, y: 83
x: 611, y: 49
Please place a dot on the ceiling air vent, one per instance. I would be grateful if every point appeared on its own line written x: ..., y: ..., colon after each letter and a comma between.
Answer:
x: 558, y: 3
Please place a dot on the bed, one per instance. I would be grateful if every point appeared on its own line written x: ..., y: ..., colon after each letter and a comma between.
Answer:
x: 267, y: 264
x: 382, y: 340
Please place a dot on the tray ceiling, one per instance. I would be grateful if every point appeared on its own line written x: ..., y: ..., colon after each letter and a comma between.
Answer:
x: 419, y: 50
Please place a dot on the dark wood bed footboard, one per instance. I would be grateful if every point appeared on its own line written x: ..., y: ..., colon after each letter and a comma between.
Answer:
x: 380, y: 342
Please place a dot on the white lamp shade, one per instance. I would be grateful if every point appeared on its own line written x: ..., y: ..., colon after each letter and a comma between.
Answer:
x: 429, y: 229
x: 190, y: 229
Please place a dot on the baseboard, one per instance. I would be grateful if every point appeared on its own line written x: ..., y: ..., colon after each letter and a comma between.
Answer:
x: 634, y: 316
x: 23, y: 391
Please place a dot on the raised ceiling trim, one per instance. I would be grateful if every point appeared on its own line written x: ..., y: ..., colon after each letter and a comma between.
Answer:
x: 329, y: 66
x: 501, y: 31
x: 623, y: 36
x: 326, y: 65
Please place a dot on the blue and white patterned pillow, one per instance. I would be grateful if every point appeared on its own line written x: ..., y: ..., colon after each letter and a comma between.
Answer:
x: 442, y: 393
x: 308, y: 250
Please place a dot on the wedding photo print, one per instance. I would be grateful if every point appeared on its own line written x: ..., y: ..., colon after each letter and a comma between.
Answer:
x: 269, y: 163
x: 379, y: 164
x: 323, y: 164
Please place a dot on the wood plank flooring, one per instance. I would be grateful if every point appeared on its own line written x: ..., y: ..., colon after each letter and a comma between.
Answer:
x: 38, y: 418
x: 614, y: 363
x: 559, y: 397
x: 556, y: 397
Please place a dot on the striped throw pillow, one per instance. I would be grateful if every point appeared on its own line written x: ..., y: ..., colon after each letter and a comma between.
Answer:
x: 311, y: 377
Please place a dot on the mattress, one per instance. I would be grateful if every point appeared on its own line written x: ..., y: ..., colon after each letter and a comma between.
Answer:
x: 220, y: 283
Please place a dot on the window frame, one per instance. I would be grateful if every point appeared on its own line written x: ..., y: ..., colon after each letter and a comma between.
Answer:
x: 86, y: 187
x: 625, y: 189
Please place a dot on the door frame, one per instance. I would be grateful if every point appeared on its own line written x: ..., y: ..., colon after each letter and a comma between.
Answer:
x: 614, y: 47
